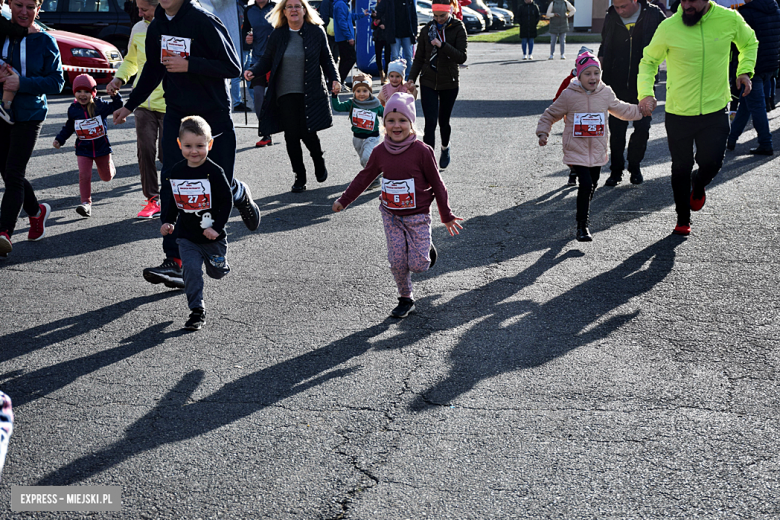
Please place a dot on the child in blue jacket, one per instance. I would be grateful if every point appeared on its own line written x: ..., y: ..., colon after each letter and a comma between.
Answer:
x: 87, y: 118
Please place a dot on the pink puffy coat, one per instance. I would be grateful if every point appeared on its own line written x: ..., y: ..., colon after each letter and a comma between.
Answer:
x: 585, y: 151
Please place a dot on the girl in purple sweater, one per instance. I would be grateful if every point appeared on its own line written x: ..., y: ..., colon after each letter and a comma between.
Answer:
x: 410, y: 183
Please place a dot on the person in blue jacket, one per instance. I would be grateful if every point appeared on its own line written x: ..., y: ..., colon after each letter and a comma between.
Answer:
x: 344, y: 30
x: 190, y: 51
x: 37, y: 58
x: 87, y: 118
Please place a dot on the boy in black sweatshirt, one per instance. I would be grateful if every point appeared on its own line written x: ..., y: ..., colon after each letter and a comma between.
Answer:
x: 190, y: 51
x: 201, y: 199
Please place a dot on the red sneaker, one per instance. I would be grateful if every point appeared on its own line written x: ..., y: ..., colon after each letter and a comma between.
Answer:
x: 151, y: 209
x: 264, y: 141
x: 38, y: 224
x: 5, y: 244
x: 682, y: 229
x: 697, y: 204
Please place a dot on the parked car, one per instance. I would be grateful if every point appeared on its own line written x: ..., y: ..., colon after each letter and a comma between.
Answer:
x: 509, y: 16
x: 82, y: 51
x: 499, y: 22
x: 108, y: 20
x: 482, y: 8
x: 473, y: 21
x: 424, y: 13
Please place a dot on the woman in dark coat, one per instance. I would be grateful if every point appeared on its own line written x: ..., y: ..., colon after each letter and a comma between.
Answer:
x: 297, y: 101
x: 528, y: 17
x: 441, y: 50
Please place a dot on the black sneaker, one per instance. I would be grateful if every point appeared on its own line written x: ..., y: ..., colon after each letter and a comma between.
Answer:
x: 197, y: 319
x: 320, y: 171
x: 614, y: 179
x: 572, y: 180
x: 636, y: 176
x: 241, y: 107
x: 434, y: 255
x: 583, y: 233
x: 444, y: 158
x: 168, y: 273
x: 405, y: 306
x: 250, y: 213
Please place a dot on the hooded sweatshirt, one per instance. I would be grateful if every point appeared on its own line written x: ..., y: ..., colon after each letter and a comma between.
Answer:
x: 203, y: 39
x: 135, y: 61
x: 586, y: 108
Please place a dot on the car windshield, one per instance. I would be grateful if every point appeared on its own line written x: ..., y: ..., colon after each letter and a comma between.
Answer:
x: 6, y: 12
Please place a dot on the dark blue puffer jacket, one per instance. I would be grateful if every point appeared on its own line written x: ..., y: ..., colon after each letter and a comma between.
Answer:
x: 763, y: 16
x: 92, y: 143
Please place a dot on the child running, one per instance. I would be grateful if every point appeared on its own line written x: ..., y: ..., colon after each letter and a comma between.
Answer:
x: 585, y: 104
x: 364, y: 113
x: 202, y: 200
x: 396, y: 72
x: 411, y: 182
x: 87, y: 117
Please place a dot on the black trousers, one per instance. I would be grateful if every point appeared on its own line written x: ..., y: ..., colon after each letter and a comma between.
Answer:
x: 437, y: 107
x: 589, y: 179
x: 379, y: 47
x: 293, y: 106
x: 16, y: 147
x: 709, y: 133
x: 637, y: 144
x: 347, y: 57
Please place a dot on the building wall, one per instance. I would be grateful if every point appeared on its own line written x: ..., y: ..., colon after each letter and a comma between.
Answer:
x: 599, y: 12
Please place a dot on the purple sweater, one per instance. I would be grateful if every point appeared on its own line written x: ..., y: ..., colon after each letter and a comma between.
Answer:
x: 417, y: 162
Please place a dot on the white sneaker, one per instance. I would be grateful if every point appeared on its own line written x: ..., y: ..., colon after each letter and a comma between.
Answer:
x: 551, y: 57
x: 525, y: 57
x: 563, y: 56
x: 530, y: 56
x: 5, y: 115
x: 85, y: 210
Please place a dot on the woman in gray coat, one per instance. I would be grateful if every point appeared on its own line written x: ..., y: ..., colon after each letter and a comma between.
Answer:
x: 559, y: 13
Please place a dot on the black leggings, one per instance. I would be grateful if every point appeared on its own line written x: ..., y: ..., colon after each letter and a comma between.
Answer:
x: 378, y: 47
x: 293, y: 106
x: 347, y: 59
x: 20, y: 138
x: 437, y: 108
x: 589, y: 178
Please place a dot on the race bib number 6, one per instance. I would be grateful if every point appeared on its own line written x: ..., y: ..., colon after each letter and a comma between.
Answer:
x: 589, y: 125
x: 398, y: 194
x: 191, y: 195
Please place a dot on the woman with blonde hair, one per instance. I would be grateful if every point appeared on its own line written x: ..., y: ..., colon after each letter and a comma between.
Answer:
x: 297, y: 101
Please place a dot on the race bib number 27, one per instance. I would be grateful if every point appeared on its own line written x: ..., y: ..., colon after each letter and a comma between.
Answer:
x: 191, y: 195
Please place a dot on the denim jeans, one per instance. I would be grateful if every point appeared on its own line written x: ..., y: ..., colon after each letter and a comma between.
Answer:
x: 528, y: 43
x: 235, y: 83
x: 754, y: 104
x: 403, y: 45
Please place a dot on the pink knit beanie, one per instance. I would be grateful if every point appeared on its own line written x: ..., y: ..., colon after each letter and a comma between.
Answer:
x: 403, y: 104
x: 586, y: 60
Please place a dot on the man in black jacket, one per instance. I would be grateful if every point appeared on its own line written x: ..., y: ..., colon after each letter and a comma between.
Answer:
x: 763, y: 16
x: 190, y: 51
x: 628, y: 28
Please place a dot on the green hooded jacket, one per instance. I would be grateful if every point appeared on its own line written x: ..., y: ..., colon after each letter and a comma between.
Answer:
x: 697, y: 60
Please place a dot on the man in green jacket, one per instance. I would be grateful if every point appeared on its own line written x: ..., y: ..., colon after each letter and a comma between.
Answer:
x: 696, y: 44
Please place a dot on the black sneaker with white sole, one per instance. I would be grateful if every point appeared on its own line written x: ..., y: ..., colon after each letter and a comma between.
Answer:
x: 405, y: 306
x: 168, y: 273
x: 250, y: 213
x: 434, y: 255
x: 197, y: 319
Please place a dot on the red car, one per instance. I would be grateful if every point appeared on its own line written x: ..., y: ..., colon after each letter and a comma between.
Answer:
x: 82, y: 54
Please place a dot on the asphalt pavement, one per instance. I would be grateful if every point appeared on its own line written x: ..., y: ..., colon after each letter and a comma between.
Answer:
x: 632, y: 377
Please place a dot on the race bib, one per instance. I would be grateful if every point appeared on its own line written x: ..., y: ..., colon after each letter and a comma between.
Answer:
x: 174, y: 46
x: 191, y: 195
x: 364, y: 119
x: 398, y: 194
x: 589, y: 125
x: 89, y: 129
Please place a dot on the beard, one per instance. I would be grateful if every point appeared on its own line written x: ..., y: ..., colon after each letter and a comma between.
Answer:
x: 692, y: 19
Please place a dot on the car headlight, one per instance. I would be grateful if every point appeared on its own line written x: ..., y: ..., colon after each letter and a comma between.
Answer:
x: 85, y: 53
x: 470, y: 18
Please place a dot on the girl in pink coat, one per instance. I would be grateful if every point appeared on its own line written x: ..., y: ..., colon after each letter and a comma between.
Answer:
x: 585, y: 103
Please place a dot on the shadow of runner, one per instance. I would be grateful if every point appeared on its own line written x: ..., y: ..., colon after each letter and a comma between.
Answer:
x: 33, y: 385
x: 41, y: 336
x: 176, y: 418
x: 524, y: 334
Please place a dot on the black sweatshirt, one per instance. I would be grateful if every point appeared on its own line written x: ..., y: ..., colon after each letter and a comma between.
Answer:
x: 201, y: 198
x: 202, y: 90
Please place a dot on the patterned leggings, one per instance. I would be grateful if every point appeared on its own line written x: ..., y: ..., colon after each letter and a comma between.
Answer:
x: 408, y: 247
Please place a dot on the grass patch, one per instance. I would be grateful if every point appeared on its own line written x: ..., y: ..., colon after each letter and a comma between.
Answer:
x: 513, y: 36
